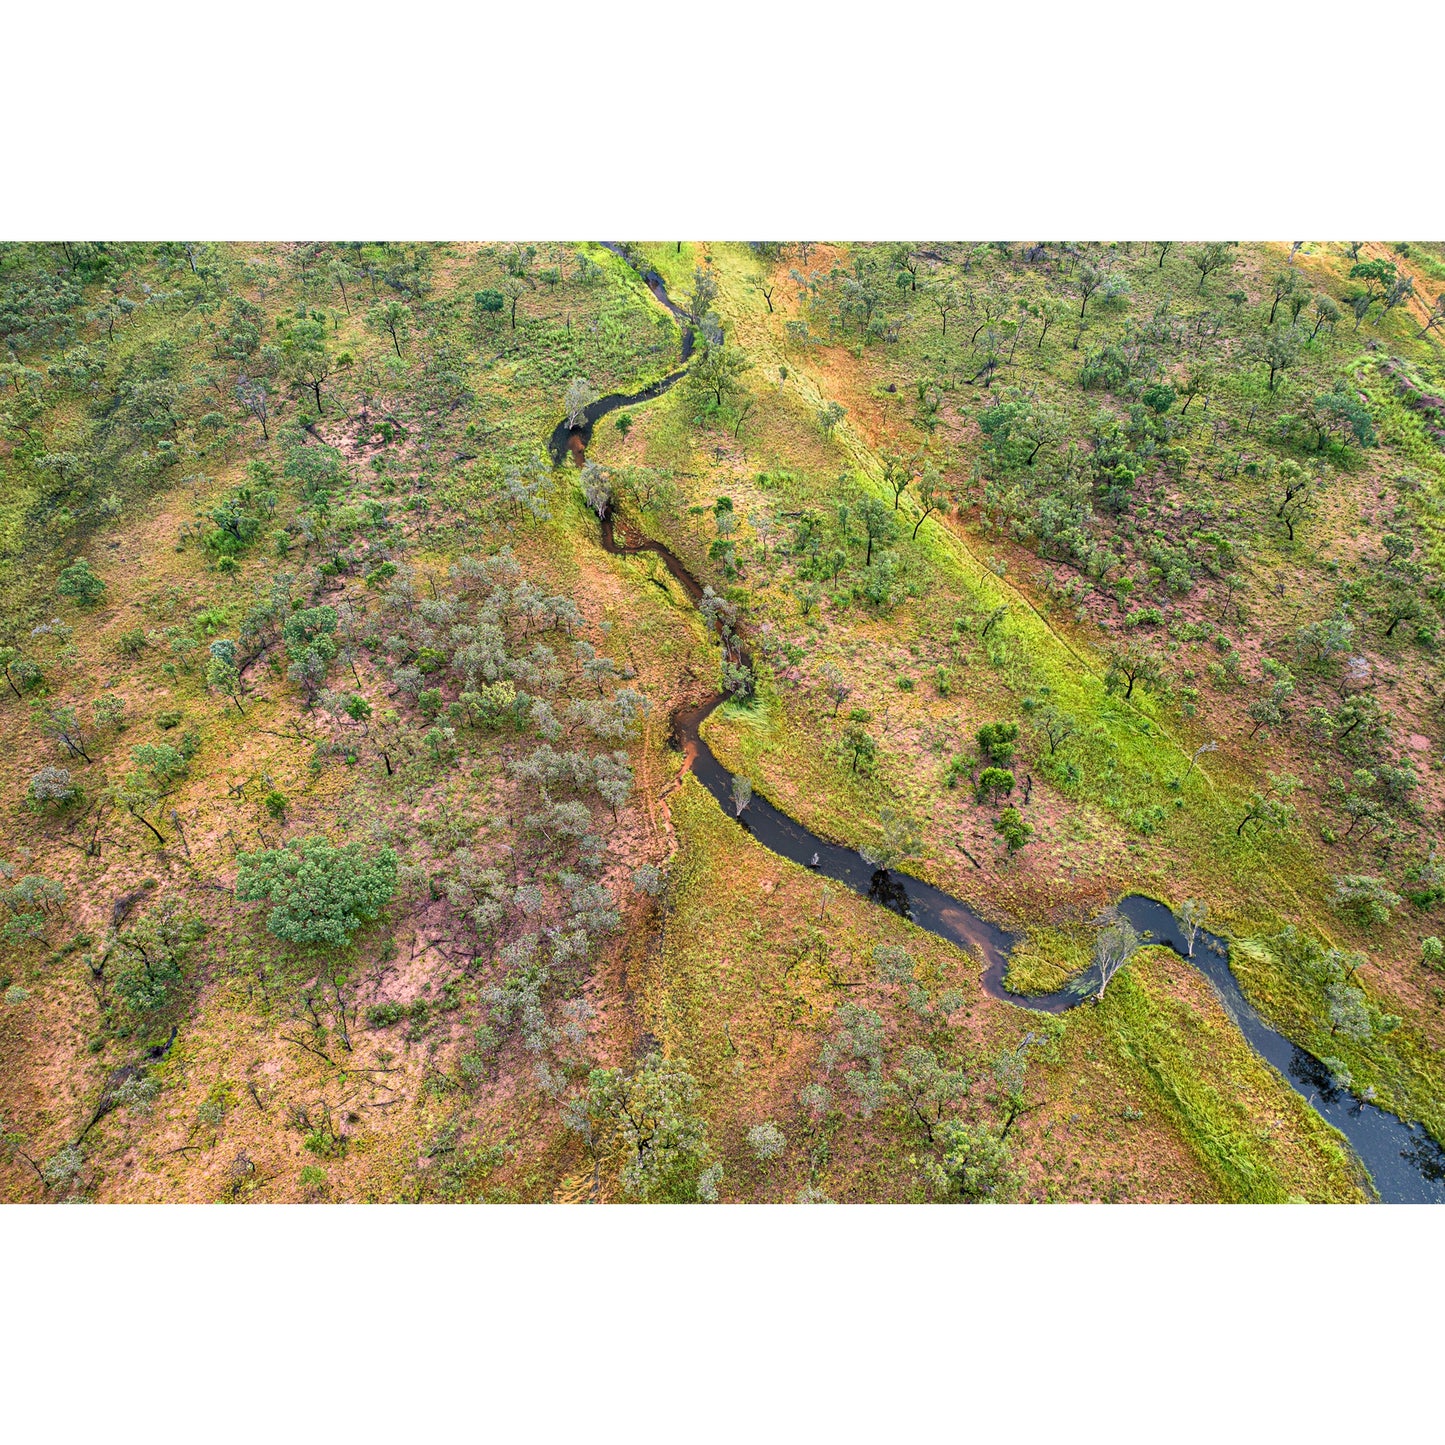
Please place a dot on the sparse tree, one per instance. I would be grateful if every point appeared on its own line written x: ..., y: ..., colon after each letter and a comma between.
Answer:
x: 579, y: 396
x: 1088, y: 279
x: 836, y: 685
x: 1327, y: 313
x: 742, y: 793
x: 1280, y: 352
x: 1191, y: 916
x: 390, y: 318
x: 1436, y: 315
x: 1270, y: 809
x: 1132, y: 664
x: 1056, y: 726
x: 514, y: 288
x: 62, y: 723
x: 254, y: 397
x: 930, y: 496
x: 1208, y: 259
x: 878, y: 525
x: 596, y: 488
x: 902, y: 839
x: 943, y: 297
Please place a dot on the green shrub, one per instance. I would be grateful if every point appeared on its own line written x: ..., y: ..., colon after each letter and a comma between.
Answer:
x: 1011, y: 827
x: 80, y: 584
x: 996, y: 742
x: 319, y: 893
x: 992, y: 782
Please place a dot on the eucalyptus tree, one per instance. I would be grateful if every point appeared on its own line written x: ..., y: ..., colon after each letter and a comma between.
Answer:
x: 878, y: 524
x: 1198, y: 381
x: 1280, y: 352
x: 341, y: 273
x: 513, y: 288
x: 306, y: 359
x: 718, y: 371
x: 580, y: 394
x: 645, y: 1124
x: 596, y: 488
x: 766, y: 1141
x: 254, y: 397
x: 1209, y: 258
x: 704, y: 293
x: 1191, y: 916
x: 390, y: 318
x: 1088, y: 279
x: 1436, y: 316
x: 1327, y: 313
x: 1132, y: 664
x: 1115, y: 944
x: 944, y: 298
x: 902, y: 838
x: 930, y: 496
x: 898, y: 474
x: 1284, y: 285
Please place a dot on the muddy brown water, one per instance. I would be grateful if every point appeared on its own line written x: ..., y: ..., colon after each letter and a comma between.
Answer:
x: 1405, y: 1164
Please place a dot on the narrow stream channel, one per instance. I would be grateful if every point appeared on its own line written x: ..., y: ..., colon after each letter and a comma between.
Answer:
x: 1406, y: 1165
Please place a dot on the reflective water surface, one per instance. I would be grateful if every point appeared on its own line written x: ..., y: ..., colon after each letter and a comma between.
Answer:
x: 1406, y: 1165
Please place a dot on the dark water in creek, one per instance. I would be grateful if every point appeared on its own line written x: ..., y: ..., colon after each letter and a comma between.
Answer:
x: 1405, y: 1163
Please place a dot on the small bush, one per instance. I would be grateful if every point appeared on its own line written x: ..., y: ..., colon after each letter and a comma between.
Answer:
x: 52, y: 786
x: 1144, y: 617
x: 996, y: 743
x: 993, y: 782
x: 1010, y: 826
x: 766, y: 1141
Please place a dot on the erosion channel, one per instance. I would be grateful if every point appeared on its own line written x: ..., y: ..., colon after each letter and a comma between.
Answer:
x: 1405, y: 1164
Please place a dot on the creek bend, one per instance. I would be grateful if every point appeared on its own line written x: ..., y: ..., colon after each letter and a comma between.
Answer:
x: 1405, y: 1164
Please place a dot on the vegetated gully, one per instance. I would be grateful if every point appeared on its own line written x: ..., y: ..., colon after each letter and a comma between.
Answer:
x: 1406, y: 1165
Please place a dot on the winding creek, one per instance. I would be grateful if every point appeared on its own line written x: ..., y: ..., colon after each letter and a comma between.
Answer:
x: 1406, y: 1165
